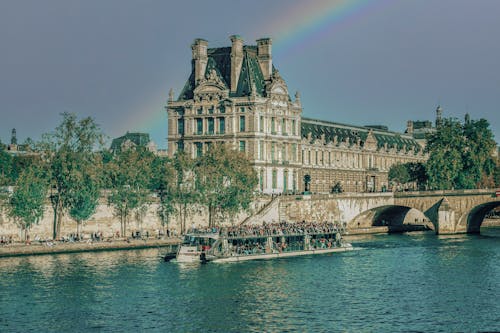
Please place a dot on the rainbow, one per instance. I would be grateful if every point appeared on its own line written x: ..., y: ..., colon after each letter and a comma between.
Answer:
x: 299, y: 26
x: 309, y: 22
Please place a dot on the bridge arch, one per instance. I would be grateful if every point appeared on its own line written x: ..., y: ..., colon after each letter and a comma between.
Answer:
x: 395, y: 217
x: 471, y: 220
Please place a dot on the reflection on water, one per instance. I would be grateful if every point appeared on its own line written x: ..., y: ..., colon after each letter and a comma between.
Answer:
x: 396, y: 283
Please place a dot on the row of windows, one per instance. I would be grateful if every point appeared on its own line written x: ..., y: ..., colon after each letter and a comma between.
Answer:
x: 215, y: 109
x: 274, y: 122
x: 345, y: 159
x: 221, y: 125
x: 198, y: 151
x: 274, y: 180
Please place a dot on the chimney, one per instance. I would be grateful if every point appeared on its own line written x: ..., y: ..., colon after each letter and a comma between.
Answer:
x: 409, y: 127
x: 264, y: 55
x: 200, y: 59
x: 236, y: 60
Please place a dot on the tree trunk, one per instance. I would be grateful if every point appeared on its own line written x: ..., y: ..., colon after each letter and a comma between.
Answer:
x: 210, y: 216
x: 78, y: 228
x: 59, y: 219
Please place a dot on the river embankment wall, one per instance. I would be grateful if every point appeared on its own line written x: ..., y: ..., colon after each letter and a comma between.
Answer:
x: 41, y: 248
x: 106, y: 222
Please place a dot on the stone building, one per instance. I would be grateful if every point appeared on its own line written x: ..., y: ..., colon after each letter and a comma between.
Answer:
x: 236, y: 96
x: 134, y: 139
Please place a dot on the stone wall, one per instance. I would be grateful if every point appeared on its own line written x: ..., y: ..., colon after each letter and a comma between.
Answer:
x: 332, y: 207
x: 104, y: 221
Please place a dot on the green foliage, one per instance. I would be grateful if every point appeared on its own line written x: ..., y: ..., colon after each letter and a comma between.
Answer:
x: 129, y: 175
x: 185, y: 194
x: 226, y: 181
x: 5, y: 168
x: 496, y: 173
x: 399, y: 173
x: 83, y: 198
x: 417, y: 173
x: 69, y: 153
x: 163, y: 183
x: 26, y: 205
x: 460, y: 155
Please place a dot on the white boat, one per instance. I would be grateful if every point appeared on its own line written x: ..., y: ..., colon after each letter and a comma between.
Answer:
x: 223, y: 247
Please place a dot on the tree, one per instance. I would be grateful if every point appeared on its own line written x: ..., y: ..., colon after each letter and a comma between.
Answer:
x: 5, y: 167
x: 129, y: 175
x: 226, y: 181
x: 26, y: 205
x: 163, y: 184
x: 398, y: 173
x: 460, y: 155
x: 69, y: 151
x: 185, y: 194
x: 83, y: 198
x: 417, y: 173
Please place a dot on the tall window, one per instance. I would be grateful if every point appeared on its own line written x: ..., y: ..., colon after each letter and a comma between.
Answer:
x: 273, y: 130
x: 242, y: 123
x: 294, y: 152
x: 242, y: 146
x: 210, y: 125
x: 275, y: 179
x: 283, y: 153
x: 199, y: 126
x: 199, y: 149
x: 285, y: 181
x: 180, y: 145
x: 283, y: 126
x: 180, y: 126
x: 222, y: 125
x: 261, y: 123
x: 293, y: 127
x: 261, y: 150
x: 272, y: 151
x: 261, y: 180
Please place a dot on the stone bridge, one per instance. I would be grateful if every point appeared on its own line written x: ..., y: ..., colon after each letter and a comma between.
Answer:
x: 445, y: 212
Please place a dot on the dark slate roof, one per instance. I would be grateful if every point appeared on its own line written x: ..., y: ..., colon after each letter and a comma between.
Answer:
x: 331, y: 129
x: 220, y: 60
x: 139, y: 139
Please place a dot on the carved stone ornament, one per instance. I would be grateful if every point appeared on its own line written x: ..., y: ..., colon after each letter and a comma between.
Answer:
x: 211, y: 88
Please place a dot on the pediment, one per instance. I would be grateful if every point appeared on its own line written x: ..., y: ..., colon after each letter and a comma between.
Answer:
x: 370, y: 142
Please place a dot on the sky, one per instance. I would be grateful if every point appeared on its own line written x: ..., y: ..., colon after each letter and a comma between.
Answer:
x: 359, y: 62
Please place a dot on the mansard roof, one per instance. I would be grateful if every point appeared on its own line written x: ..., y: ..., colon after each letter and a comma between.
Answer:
x: 219, y: 59
x: 139, y: 139
x: 316, y: 129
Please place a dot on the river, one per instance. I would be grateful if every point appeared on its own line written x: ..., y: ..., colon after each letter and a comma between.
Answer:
x: 406, y: 282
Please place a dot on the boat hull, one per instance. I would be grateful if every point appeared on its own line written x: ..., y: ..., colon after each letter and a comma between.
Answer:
x: 239, y: 258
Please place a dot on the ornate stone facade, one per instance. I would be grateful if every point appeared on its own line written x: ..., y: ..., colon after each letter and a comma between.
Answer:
x: 235, y: 96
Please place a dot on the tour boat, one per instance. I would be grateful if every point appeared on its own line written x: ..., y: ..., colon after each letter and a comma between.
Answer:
x: 224, y: 247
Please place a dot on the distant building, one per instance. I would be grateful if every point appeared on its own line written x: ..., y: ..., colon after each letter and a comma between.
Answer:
x: 19, y: 149
x: 131, y: 140
x: 420, y: 129
x: 236, y: 96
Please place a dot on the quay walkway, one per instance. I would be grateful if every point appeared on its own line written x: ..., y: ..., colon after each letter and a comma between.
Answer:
x: 37, y: 248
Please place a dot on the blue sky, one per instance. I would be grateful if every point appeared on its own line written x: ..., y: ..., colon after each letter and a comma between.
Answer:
x: 376, y: 62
